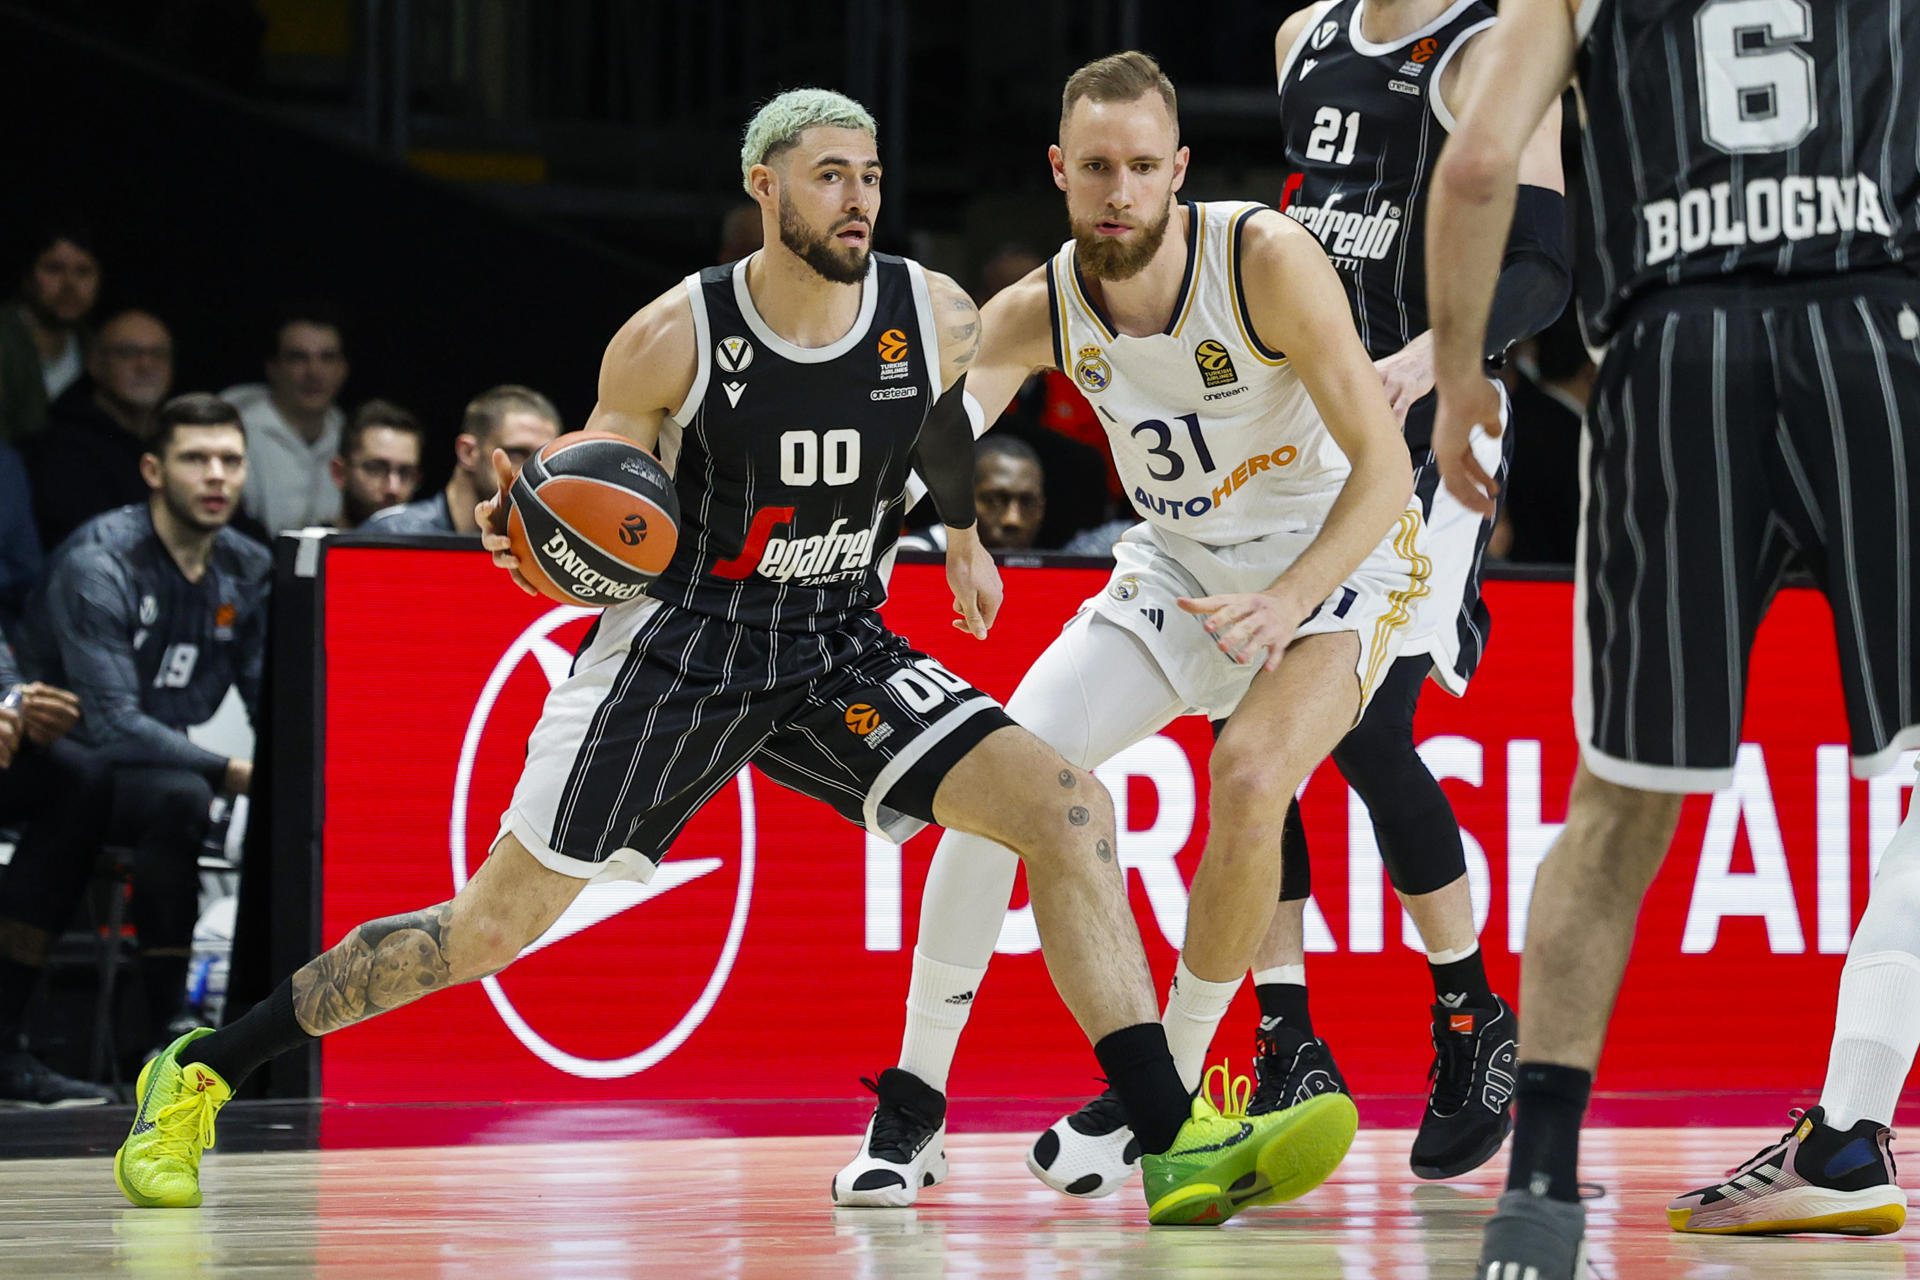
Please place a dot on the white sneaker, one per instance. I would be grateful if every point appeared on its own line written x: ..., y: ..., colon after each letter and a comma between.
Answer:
x: 1090, y: 1153
x: 905, y: 1147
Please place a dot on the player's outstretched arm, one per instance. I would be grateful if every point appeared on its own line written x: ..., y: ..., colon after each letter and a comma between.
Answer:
x: 1297, y: 304
x: 943, y: 458
x: 646, y: 374
x: 1521, y: 70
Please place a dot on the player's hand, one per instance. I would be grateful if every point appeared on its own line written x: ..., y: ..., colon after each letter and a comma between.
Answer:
x: 1473, y: 403
x: 48, y: 713
x: 975, y: 580
x: 1407, y: 374
x: 1248, y: 623
x: 11, y: 729
x: 491, y: 515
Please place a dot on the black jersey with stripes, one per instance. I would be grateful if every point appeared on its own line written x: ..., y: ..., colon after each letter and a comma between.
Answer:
x: 790, y: 462
x: 1362, y: 125
x: 1743, y: 136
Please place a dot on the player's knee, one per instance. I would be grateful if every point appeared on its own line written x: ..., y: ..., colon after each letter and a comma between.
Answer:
x: 1245, y: 780
x: 1058, y: 824
x: 1375, y: 754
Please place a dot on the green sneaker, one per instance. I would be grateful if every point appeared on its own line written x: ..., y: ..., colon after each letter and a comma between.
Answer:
x: 158, y: 1166
x: 1223, y: 1160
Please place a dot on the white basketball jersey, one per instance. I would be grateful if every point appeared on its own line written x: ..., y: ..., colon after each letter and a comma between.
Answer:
x: 1213, y: 434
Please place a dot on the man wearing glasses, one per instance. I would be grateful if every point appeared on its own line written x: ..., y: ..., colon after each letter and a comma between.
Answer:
x: 516, y: 419
x: 378, y: 465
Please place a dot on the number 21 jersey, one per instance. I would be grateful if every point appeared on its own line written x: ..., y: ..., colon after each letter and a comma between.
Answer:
x: 1213, y: 434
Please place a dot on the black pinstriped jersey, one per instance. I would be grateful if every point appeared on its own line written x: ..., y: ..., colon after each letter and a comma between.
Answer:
x: 1728, y: 136
x: 1362, y: 125
x: 790, y: 462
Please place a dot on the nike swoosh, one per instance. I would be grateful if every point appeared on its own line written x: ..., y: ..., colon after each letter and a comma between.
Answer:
x: 140, y: 1122
x: 1246, y: 1131
x: 598, y: 902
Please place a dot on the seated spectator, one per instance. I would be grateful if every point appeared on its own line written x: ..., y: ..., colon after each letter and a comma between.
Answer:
x: 60, y: 794
x: 518, y: 420
x: 151, y: 613
x: 21, y: 562
x: 379, y: 461
x: 88, y: 459
x: 1009, y: 493
x: 42, y: 333
x: 1553, y: 379
x: 293, y: 425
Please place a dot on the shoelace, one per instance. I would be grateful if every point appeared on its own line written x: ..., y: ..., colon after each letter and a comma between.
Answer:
x: 1235, y: 1091
x: 894, y: 1127
x: 1451, y: 1074
x: 180, y: 1125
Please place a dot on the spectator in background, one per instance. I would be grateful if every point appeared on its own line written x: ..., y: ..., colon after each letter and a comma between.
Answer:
x: 42, y: 333
x: 740, y: 232
x: 151, y: 614
x: 378, y: 465
x: 60, y: 793
x: 1553, y: 380
x: 21, y: 562
x: 88, y: 459
x: 1009, y: 493
x: 518, y: 420
x: 293, y: 423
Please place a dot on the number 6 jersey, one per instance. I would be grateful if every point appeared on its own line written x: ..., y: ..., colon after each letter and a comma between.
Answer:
x: 1214, y: 435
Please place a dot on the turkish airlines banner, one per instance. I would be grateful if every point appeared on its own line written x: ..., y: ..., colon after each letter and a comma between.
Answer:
x: 774, y: 946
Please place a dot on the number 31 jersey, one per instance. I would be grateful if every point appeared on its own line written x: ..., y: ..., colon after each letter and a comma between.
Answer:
x: 1214, y: 435
x: 1727, y: 136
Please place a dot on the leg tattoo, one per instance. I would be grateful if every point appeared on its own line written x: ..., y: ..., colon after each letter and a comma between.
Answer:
x: 1104, y: 848
x: 380, y: 965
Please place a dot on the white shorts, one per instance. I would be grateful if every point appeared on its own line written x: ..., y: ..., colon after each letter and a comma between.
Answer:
x: 1451, y: 623
x: 1154, y: 568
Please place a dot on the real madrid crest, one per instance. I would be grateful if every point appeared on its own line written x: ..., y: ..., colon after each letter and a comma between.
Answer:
x: 1125, y: 588
x: 1091, y: 369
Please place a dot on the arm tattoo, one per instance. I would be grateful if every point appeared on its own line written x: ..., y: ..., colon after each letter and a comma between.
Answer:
x: 380, y: 965
x: 959, y: 326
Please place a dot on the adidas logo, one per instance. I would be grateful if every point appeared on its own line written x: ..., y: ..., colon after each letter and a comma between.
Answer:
x: 965, y: 997
x: 1157, y: 617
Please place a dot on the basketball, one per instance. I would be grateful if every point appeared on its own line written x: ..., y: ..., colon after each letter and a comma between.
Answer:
x: 593, y: 519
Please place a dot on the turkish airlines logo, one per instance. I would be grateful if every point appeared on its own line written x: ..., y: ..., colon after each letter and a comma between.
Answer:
x: 537, y: 657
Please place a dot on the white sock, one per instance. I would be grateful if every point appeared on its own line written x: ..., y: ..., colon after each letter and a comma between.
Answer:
x: 938, y: 1002
x: 1194, y: 1009
x: 1876, y: 1031
x: 1292, y: 975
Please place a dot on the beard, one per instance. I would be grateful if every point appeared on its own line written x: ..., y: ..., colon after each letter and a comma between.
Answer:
x: 829, y: 259
x: 1115, y: 258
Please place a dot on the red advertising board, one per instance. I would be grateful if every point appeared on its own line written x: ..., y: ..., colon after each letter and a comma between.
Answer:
x: 778, y: 938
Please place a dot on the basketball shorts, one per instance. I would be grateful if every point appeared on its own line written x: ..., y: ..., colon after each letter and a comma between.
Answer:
x: 1736, y: 431
x: 664, y: 706
x: 1453, y: 622
x: 1154, y: 568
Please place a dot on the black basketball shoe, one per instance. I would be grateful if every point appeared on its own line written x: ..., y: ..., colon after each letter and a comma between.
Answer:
x: 1290, y: 1068
x: 25, y: 1081
x: 1470, y: 1103
x: 905, y: 1147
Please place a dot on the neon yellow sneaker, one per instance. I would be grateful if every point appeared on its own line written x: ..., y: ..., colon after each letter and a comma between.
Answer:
x: 158, y: 1166
x: 1223, y: 1160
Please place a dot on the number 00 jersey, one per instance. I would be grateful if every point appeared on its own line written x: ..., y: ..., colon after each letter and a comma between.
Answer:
x: 789, y: 462
x: 1728, y: 136
x: 1363, y: 124
x: 1213, y: 433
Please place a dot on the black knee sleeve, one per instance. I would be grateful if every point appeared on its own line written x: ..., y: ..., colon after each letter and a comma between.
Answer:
x: 1413, y: 823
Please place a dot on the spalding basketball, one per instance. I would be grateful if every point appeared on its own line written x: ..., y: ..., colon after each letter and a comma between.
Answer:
x: 593, y: 519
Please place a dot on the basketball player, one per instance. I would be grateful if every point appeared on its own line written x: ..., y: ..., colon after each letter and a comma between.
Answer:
x: 1277, y: 572
x: 1746, y: 220
x: 789, y: 394
x: 1365, y: 94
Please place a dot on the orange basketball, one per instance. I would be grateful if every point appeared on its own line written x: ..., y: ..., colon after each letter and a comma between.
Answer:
x: 593, y: 519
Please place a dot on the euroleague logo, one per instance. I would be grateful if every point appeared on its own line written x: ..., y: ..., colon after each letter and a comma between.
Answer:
x: 633, y: 530
x: 557, y: 1005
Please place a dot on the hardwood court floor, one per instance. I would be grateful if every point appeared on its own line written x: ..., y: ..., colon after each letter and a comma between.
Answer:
x: 751, y: 1207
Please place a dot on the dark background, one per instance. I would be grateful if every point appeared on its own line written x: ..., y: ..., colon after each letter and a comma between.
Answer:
x: 484, y: 189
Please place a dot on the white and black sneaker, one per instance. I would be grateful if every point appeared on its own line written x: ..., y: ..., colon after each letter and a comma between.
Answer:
x: 905, y: 1147
x: 1090, y: 1153
x: 25, y: 1081
x: 1470, y: 1103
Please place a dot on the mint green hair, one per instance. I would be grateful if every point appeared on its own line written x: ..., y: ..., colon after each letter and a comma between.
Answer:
x: 779, y: 124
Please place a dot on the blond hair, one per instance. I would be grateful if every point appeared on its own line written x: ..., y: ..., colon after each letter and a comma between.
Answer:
x: 1119, y: 77
x: 779, y: 124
